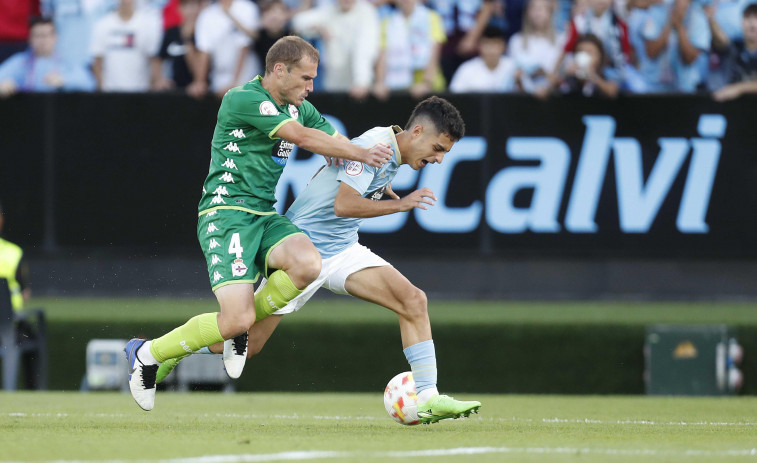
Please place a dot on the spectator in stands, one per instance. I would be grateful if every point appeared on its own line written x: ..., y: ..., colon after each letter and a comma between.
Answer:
x: 223, y: 36
x: 274, y: 24
x: 14, y: 25
x: 459, y: 17
x: 14, y: 268
x: 587, y: 73
x: 600, y: 20
x: 349, y: 30
x: 125, y: 45
x: 727, y: 14
x: 655, y: 67
x: 490, y: 72
x: 178, y: 48
x: 411, y: 42
x: 39, y: 69
x: 536, y: 48
x: 680, y: 31
x: 741, y: 65
x: 492, y: 13
x: 74, y: 22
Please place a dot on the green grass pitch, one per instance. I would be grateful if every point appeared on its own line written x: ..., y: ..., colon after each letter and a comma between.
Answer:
x: 218, y: 428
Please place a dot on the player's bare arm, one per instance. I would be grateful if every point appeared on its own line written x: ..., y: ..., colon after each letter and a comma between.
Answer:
x: 319, y: 142
x: 350, y: 203
x: 339, y: 162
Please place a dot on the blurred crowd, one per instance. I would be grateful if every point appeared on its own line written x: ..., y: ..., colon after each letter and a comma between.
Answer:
x: 377, y: 47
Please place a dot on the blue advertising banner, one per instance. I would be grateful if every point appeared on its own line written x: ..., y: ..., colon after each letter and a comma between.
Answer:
x: 659, y: 177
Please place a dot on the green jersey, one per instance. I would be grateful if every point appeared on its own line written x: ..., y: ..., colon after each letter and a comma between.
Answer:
x: 246, y: 158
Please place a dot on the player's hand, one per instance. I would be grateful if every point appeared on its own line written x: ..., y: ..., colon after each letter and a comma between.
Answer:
x: 391, y: 192
x: 377, y: 156
x: 337, y: 162
x: 417, y: 200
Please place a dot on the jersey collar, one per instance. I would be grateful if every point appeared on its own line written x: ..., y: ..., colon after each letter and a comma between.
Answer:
x: 395, y: 130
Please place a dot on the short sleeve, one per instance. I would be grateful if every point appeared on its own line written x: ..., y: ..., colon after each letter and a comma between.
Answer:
x: 699, y: 30
x: 98, y: 41
x: 13, y: 68
x: 437, y: 28
x: 154, y: 35
x: 357, y: 175
x: 204, y: 32
x: 257, y: 111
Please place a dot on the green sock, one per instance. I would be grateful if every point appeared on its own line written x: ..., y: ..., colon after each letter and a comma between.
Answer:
x: 276, y: 294
x: 198, y: 332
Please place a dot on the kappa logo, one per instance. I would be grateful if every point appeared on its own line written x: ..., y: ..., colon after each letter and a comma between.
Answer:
x: 293, y: 111
x: 211, y: 228
x: 211, y: 214
x: 217, y: 200
x: 238, y: 133
x: 217, y: 276
x: 268, y: 109
x: 215, y: 259
x: 232, y: 147
x: 227, y: 177
x: 353, y: 168
x: 229, y: 164
x: 238, y: 268
x: 213, y: 244
x: 221, y: 190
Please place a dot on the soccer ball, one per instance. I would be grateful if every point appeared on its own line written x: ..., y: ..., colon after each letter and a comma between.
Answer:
x: 400, y: 400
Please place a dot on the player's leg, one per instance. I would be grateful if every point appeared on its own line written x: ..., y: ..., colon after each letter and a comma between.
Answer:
x: 386, y: 286
x: 230, y: 240
x: 297, y: 264
x: 290, y: 263
x: 261, y: 331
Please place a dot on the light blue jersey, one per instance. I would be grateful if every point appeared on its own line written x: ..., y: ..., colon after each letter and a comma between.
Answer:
x: 313, y: 210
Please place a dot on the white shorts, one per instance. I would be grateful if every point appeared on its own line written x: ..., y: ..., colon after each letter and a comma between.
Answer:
x: 334, y: 273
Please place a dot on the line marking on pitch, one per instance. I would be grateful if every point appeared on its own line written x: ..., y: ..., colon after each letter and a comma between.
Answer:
x: 321, y: 454
x: 554, y: 420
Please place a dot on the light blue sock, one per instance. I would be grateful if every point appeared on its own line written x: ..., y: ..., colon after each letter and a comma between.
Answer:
x: 204, y: 350
x: 422, y: 360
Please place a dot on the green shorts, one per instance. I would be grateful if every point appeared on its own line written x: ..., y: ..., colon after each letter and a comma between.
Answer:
x: 237, y: 244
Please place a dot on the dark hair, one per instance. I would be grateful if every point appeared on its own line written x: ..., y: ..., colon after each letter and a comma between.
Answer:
x: 37, y: 20
x: 492, y: 32
x: 266, y: 5
x: 597, y: 42
x: 440, y: 112
x: 290, y: 50
x: 750, y: 10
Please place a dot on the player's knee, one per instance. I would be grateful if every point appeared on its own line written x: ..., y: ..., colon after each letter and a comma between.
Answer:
x: 306, y: 269
x: 416, y: 303
x: 240, y: 322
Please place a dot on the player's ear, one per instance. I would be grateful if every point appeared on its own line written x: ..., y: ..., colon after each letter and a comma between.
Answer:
x: 417, y: 130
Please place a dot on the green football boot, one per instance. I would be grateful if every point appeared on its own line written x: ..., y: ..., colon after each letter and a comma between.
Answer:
x: 443, y: 407
x: 166, y: 368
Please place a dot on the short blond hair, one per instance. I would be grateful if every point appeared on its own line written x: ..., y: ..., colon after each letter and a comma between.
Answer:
x: 290, y: 50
